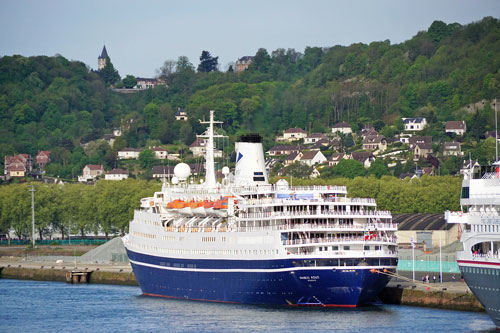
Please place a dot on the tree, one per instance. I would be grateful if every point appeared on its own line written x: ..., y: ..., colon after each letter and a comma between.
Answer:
x: 109, y: 74
x: 298, y: 170
x: 398, y: 169
x: 146, y: 158
x: 129, y: 81
x: 207, y: 62
x: 261, y: 61
x: 346, y: 168
x: 378, y: 169
x: 167, y: 71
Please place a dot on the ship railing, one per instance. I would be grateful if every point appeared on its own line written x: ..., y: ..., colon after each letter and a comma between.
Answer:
x: 305, y: 241
x: 269, y: 201
x: 490, y: 175
x: 343, y: 254
x: 273, y: 187
x: 486, y: 256
x: 326, y: 226
x: 484, y: 195
x: 266, y: 215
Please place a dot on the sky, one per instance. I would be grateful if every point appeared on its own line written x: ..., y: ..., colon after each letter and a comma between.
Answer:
x: 140, y: 35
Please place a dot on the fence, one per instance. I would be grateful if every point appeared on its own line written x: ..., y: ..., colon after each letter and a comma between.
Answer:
x: 428, y: 266
x: 55, y: 242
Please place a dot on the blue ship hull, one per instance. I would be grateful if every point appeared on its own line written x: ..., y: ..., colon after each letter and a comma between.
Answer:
x: 274, y: 282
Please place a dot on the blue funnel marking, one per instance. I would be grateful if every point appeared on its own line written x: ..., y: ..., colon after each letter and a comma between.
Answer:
x: 240, y: 156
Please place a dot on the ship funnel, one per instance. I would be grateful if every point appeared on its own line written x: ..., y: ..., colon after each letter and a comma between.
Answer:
x: 250, y: 164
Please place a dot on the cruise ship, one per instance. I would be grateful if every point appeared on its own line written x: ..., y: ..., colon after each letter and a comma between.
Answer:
x: 479, y: 220
x: 244, y: 240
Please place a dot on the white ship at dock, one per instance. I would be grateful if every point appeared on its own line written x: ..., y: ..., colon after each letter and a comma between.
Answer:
x: 479, y: 219
x: 247, y: 241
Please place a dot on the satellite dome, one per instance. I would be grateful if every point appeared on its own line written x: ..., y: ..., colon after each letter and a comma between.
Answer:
x: 225, y: 170
x: 175, y: 180
x: 182, y: 171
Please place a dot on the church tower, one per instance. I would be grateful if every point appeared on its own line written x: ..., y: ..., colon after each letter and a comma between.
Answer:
x: 101, y: 60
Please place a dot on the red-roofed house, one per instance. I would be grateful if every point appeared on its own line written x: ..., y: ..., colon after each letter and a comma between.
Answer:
x: 91, y: 172
x: 18, y: 165
x: 457, y: 127
x: 42, y: 158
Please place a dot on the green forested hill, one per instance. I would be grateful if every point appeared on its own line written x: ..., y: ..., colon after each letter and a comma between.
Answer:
x: 51, y: 103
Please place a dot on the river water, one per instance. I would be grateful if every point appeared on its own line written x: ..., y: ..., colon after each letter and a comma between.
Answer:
x: 33, y: 306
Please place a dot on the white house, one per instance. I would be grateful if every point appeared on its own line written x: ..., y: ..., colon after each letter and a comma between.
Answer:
x: 314, y: 137
x: 342, y: 127
x: 457, y: 127
x: 313, y: 157
x: 128, y: 153
x: 293, y: 134
x: 414, y: 124
x: 116, y: 174
x: 160, y: 153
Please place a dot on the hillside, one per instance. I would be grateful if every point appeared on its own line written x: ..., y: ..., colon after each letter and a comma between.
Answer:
x: 51, y: 103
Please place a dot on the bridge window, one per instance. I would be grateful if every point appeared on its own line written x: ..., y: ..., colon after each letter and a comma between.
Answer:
x: 465, y: 192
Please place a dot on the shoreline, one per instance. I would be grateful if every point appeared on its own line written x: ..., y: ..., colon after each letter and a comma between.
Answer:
x: 447, y: 295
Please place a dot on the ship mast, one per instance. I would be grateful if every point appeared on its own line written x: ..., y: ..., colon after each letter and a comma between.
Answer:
x: 209, y: 155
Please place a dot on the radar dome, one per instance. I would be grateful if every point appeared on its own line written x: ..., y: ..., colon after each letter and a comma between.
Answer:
x: 182, y: 171
x: 175, y: 180
x: 225, y: 170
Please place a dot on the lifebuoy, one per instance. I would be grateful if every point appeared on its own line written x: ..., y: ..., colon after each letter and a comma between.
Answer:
x: 460, y: 214
x: 151, y: 203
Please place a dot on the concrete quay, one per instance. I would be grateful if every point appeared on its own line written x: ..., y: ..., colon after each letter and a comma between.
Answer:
x: 446, y: 295
x: 120, y: 274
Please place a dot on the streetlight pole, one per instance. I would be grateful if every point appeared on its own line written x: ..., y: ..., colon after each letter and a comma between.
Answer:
x: 496, y: 133
x: 413, y: 257
x: 33, y: 215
